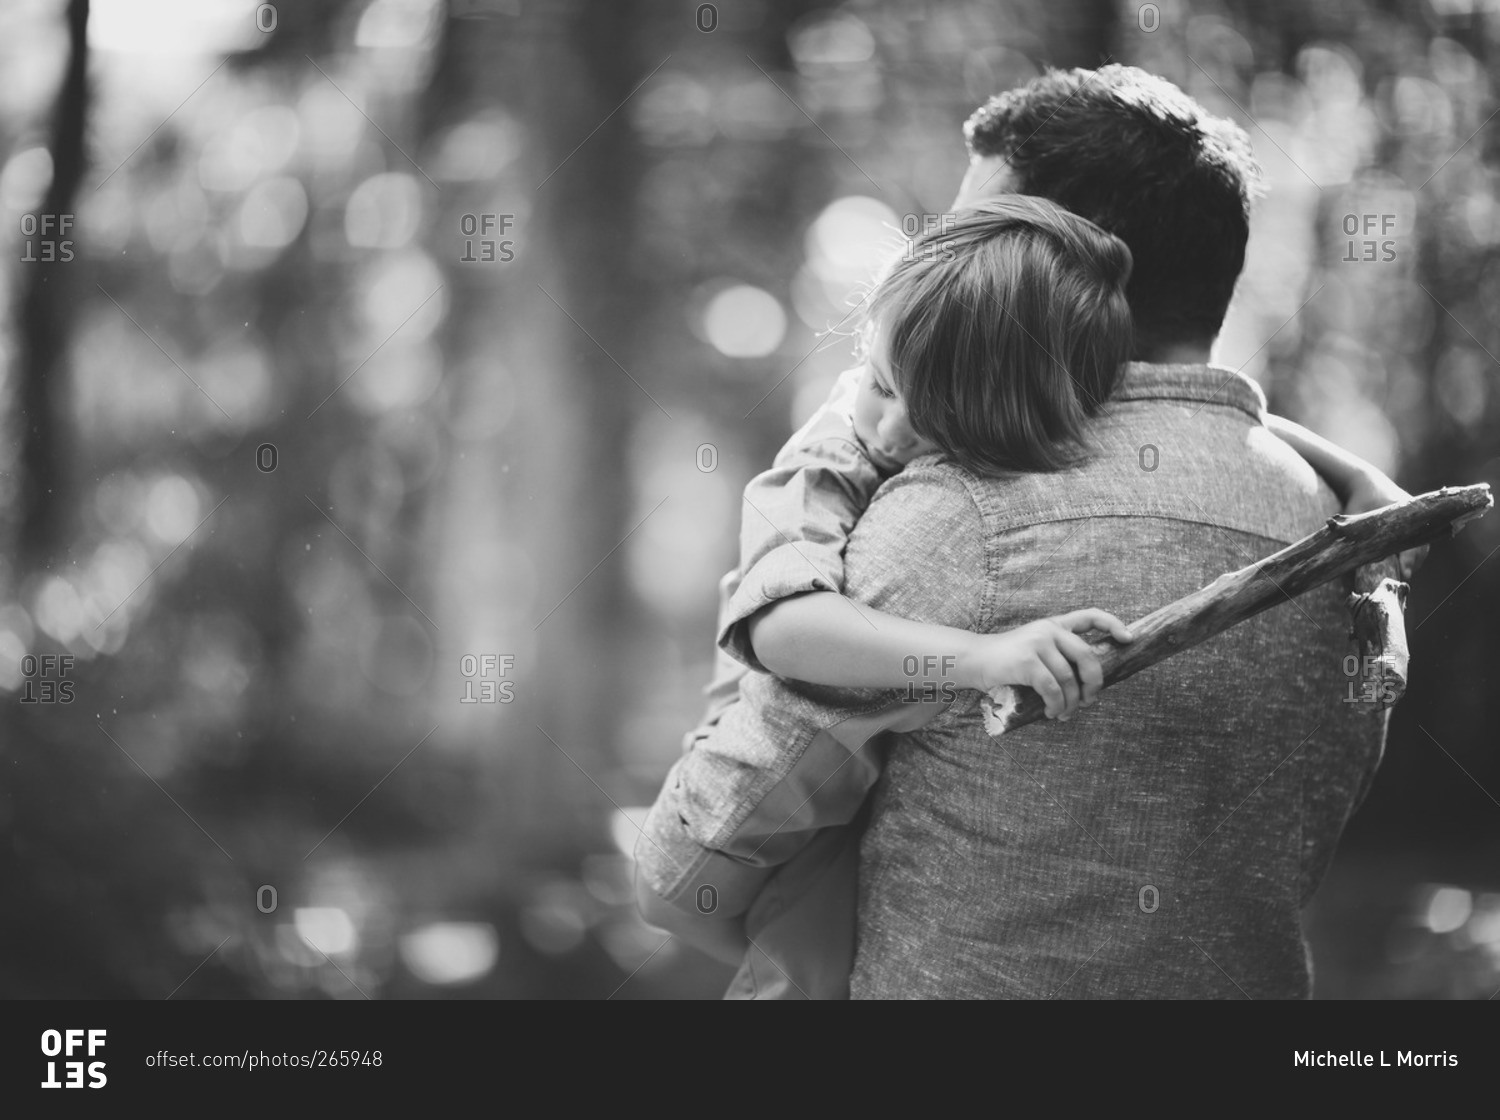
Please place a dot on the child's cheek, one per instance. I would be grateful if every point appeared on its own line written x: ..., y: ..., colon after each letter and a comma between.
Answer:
x: 866, y: 418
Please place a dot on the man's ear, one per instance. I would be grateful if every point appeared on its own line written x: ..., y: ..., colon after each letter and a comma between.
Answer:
x: 986, y: 177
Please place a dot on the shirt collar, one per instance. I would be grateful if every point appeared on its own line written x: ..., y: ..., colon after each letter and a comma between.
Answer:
x: 1205, y: 384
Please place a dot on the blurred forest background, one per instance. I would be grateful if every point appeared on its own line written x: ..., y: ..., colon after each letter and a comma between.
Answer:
x: 374, y: 430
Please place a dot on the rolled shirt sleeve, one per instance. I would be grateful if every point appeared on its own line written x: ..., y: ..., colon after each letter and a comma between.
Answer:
x: 791, y: 759
x: 796, y: 517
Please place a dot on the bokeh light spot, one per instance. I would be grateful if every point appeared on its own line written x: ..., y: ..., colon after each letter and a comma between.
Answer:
x: 447, y: 953
x: 1447, y: 909
x: 383, y: 211
x: 172, y: 509
x: 273, y: 213
x: 744, y: 322
x: 326, y: 928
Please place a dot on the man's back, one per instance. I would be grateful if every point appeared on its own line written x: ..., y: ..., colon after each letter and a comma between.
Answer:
x: 1163, y: 842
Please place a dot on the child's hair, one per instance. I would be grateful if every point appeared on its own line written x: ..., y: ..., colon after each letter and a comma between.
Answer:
x: 1006, y: 328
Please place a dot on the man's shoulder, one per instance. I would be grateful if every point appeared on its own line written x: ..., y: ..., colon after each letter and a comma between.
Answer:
x: 923, y: 547
x: 933, y: 483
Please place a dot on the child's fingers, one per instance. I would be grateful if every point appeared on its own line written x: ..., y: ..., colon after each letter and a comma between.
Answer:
x: 1045, y: 683
x: 1062, y: 671
x: 1085, y: 664
x: 1092, y: 619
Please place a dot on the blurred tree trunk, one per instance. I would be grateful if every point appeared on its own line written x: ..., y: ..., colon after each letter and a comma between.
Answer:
x: 46, y: 309
x: 553, y: 329
x: 588, y: 208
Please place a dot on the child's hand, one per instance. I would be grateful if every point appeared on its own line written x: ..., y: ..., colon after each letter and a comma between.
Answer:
x: 1372, y: 490
x: 1049, y: 656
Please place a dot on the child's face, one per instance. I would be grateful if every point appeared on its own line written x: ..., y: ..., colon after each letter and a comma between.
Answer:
x: 879, y: 412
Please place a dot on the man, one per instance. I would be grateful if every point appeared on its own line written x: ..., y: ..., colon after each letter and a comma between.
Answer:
x: 1164, y: 842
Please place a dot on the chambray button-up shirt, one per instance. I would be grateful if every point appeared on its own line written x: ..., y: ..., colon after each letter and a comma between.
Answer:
x: 1164, y: 841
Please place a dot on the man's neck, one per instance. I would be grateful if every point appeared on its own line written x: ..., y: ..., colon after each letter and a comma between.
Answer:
x: 1180, y: 354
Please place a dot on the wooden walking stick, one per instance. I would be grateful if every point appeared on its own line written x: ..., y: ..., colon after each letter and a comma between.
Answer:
x: 1340, y: 548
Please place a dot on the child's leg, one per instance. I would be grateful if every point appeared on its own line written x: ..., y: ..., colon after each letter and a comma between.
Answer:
x: 719, y: 936
x: 801, y: 925
x: 695, y: 893
x: 672, y: 860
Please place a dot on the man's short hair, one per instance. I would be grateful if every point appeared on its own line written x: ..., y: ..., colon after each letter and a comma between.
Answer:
x: 1135, y: 155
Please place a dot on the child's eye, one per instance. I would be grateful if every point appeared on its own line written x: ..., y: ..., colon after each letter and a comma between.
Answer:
x: 882, y: 391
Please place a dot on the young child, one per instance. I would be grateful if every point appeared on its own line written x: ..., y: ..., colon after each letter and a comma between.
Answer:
x: 991, y: 341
